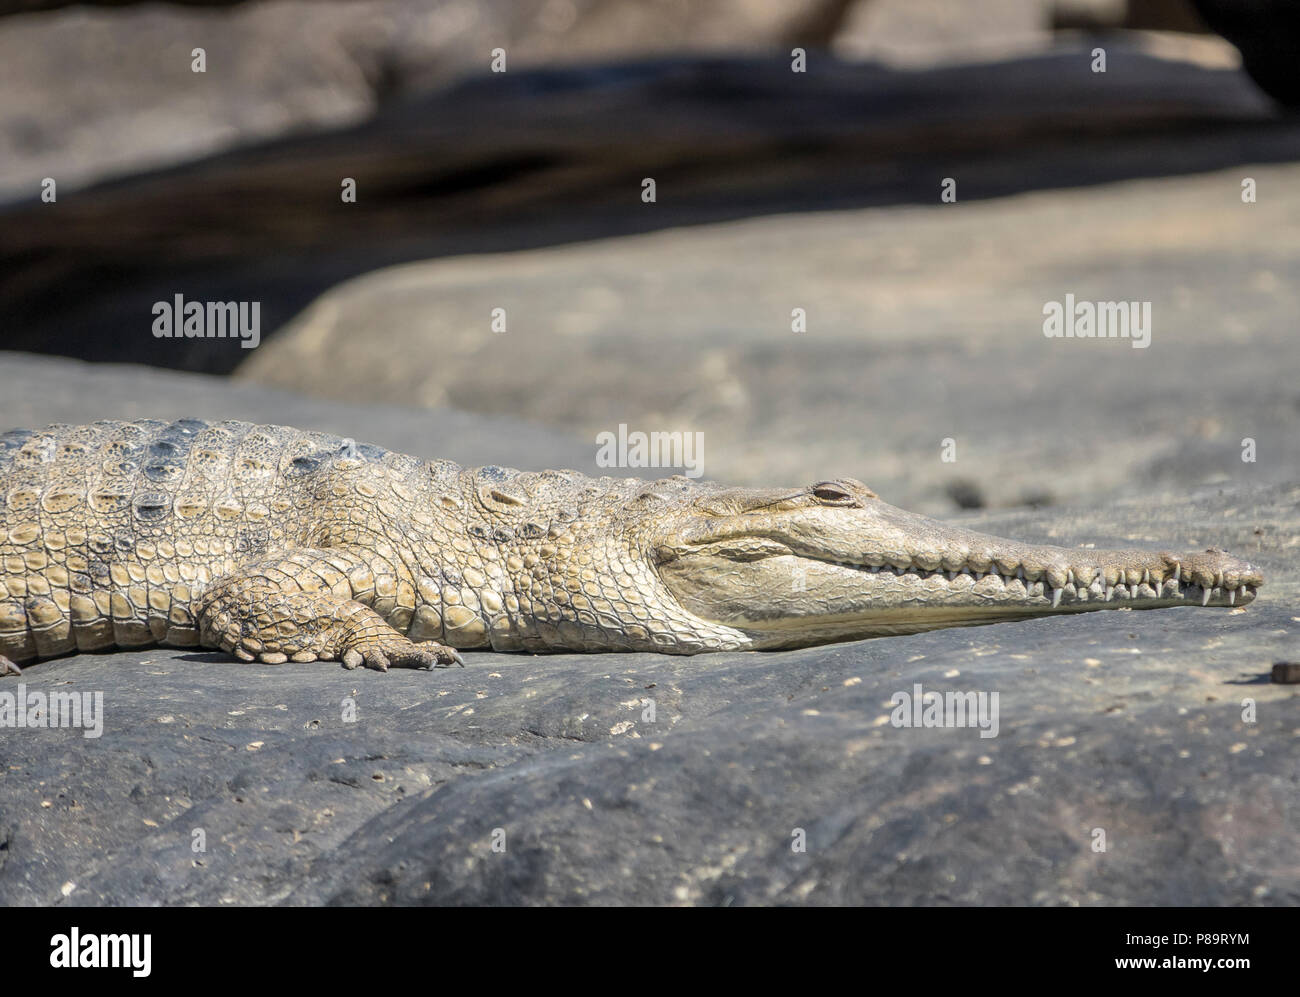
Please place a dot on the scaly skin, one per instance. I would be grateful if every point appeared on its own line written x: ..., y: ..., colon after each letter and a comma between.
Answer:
x: 275, y: 544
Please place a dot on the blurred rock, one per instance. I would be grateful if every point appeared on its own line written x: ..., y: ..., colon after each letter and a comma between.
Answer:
x: 1098, y: 15
x: 562, y: 158
x: 918, y: 33
x: 289, y: 66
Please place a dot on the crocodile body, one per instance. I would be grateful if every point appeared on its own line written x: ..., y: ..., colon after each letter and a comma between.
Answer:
x: 274, y: 543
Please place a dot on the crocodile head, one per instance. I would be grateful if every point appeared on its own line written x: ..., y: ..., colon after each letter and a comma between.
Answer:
x: 792, y: 567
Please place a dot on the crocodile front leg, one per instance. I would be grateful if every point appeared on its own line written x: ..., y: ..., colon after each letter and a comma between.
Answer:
x: 303, y: 607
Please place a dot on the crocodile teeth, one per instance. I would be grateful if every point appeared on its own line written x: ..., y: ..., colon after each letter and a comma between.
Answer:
x: 1125, y: 585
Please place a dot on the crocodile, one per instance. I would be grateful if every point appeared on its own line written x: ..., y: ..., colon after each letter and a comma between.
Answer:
x: 278, y: 544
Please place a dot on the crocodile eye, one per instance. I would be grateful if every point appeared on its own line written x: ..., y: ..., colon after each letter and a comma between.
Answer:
x: 832, y: 491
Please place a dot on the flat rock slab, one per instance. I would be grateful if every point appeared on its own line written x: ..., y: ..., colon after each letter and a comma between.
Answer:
x: 291, y: 66
x: 1139, y: 758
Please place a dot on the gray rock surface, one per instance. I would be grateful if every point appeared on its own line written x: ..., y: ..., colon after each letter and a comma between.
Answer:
x: 1131, y: 723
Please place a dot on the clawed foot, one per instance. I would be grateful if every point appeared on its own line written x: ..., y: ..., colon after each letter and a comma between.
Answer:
x: 7, y: 667
x: 399, y: 652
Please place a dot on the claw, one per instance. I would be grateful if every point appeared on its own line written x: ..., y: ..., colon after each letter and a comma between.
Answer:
x: 7, y: 667
x: 398, y: 652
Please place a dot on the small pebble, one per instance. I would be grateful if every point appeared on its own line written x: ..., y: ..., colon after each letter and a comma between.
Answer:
x: 1286, y: 672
